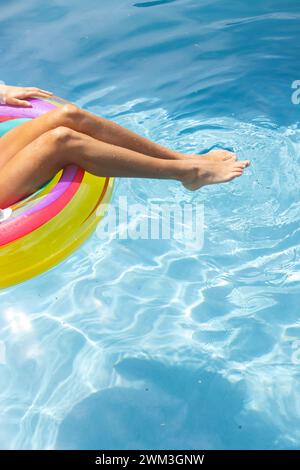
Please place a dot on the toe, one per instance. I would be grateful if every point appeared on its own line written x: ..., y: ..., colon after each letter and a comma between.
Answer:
x: 237, y: 173
x: 242, y: 164
x: 239, y: 166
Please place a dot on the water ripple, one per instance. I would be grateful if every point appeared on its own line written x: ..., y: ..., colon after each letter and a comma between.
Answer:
x: 103, y: 304
x: 133, y: 342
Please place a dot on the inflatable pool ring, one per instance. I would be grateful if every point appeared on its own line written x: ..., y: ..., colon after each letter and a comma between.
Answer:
x: 50, y: 224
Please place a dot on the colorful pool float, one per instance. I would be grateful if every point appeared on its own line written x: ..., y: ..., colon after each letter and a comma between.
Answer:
x: 47, y: 226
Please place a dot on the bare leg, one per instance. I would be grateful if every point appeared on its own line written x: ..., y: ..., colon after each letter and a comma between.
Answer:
x: 86, y: 123
x: 81, y: 121
x: 41, y: 159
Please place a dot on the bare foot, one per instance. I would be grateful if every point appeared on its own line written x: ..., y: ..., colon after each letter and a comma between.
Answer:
x: 212, y: 155
x: 216, y: 155
x: 204, y: 171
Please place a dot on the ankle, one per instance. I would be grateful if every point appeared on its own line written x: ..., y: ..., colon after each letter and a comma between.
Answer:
x: 184, y: 170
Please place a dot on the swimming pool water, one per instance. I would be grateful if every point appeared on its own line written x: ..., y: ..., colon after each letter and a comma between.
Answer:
x: 151, y: 344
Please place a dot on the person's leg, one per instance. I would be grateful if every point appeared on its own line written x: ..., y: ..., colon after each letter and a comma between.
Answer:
x: 82, y: 121
x: 86, y: 123
x: 46, y: 155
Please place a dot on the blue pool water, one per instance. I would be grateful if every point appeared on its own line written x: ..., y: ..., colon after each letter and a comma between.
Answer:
x: 153, y: 344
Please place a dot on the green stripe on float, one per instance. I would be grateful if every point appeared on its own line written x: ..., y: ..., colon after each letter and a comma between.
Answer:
x: 11, y: 124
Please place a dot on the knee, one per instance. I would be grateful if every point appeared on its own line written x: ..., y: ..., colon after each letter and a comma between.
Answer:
x: 59, y: 144
x: 69, y: 112
x: 60, y: 135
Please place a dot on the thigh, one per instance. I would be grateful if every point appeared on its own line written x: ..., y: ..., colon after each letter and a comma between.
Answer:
x: 30, y: 168
x: 19, y: 137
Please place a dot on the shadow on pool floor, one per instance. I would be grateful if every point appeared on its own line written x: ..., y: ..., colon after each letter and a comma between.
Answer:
x: 174, y: 408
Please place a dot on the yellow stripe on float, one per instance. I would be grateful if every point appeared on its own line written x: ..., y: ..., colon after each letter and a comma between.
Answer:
x: 55, y: 240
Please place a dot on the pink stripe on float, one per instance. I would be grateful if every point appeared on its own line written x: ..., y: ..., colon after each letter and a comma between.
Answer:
x: 6, y: 118
x: 38, y: 107
x: 18, y: 228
